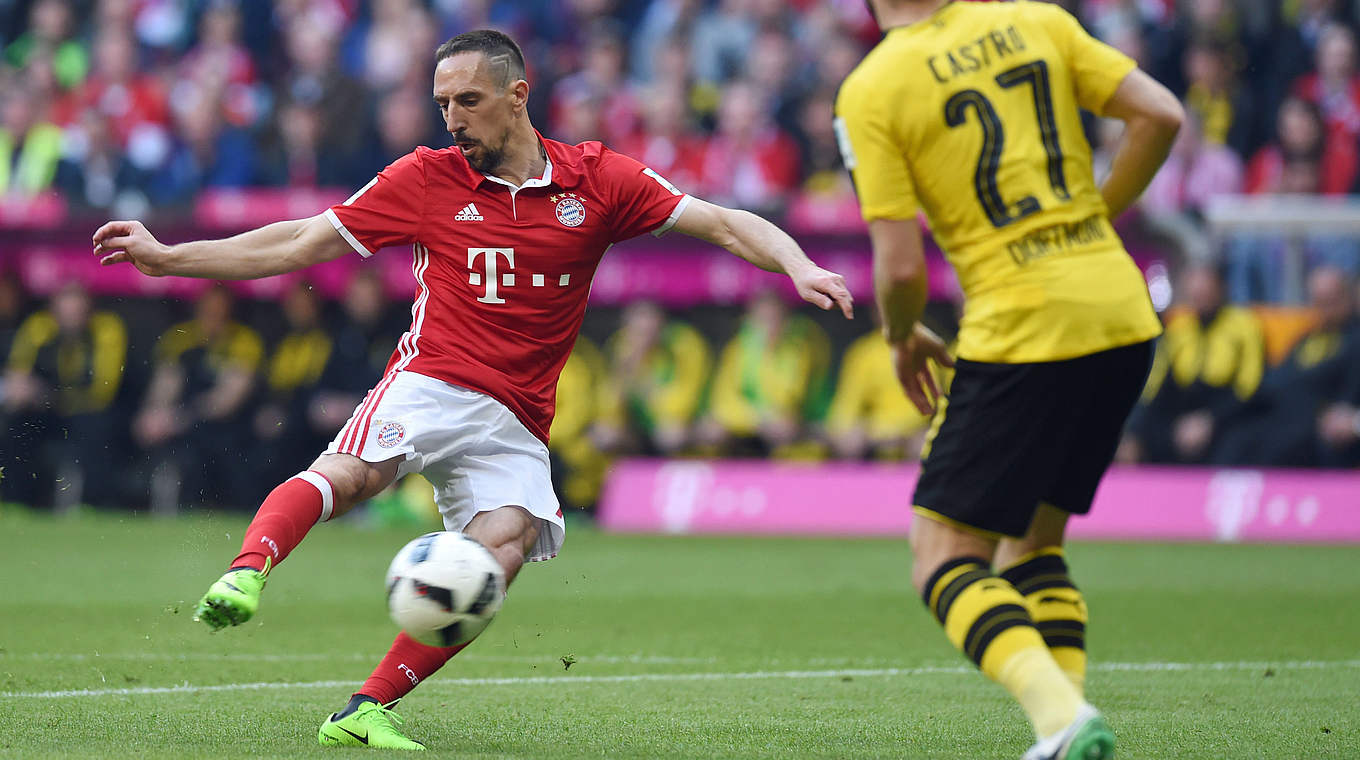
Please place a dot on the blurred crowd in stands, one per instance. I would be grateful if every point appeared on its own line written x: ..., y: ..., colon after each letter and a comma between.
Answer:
x: 166, y: 404
x: 137, y: 107
x: 125, y: 105
x: 134, y: 405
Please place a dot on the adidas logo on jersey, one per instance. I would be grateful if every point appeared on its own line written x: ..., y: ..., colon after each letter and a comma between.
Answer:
x: 468, y: 214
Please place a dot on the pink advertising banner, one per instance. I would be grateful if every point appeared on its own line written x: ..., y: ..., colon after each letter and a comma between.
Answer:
x: 1143, y: 503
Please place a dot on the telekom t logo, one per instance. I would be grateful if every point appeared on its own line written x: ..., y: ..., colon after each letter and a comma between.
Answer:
x: 489, y: 272
x: 492, y: 281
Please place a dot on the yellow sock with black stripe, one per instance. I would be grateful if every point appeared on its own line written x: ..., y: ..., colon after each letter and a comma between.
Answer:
x: 1057, y: 607
x: 986, y: 618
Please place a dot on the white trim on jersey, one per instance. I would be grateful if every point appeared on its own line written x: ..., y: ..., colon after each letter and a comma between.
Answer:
x: 360, y: 192
x: 352, y: 436
x: 675, y: 215
x: 344, y: 233
x: 420, y: 263
x: 531, y: 182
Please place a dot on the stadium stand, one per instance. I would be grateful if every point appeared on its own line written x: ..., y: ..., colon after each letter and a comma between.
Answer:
x: 209, y: 118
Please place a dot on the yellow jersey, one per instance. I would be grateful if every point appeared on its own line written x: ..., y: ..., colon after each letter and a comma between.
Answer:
x: 972, y: 115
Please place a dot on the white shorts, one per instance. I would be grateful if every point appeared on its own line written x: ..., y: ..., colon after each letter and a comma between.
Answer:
x: 475, y: 451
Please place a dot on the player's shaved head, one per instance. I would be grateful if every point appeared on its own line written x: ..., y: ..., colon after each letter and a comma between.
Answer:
x: 503, y: 59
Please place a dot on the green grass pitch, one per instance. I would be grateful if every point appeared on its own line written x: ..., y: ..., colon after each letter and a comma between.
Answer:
x: 682, y: 648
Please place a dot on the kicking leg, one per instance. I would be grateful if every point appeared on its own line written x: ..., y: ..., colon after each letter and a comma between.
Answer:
x: 331, y: 487
x: 509, y: 533
x: 1036, y: 567
x: 986, y: 618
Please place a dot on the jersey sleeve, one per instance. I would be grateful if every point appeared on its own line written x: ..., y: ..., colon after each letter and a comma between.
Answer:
x: 385, y: 212
x: 640, y: 200
x: 1097, y: 69
x: 876, y: 162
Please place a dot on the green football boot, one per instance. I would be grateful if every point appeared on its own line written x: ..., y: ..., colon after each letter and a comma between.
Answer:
x: 1088, y: 737
x: 369, y: 726
x: 233, y: 599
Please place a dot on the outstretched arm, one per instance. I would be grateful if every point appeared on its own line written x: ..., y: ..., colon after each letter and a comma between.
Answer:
x: 900, y: 288
x: 269, y: 250
x: 756, y: 240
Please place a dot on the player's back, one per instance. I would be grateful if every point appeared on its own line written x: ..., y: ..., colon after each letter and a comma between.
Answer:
x: 973, y: 116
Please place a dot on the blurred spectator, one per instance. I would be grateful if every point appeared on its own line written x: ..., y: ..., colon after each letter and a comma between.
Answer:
x: 219, y: 66
x: 95, y: 173
x: 663, y: 21
x: 132, y: 102
x: 667, y: 143
x: 772, y: 70
x: 870, y: 415
x: 578, y: 464
x: 772, y: 381
x: 1257, y: 264
x: 386, y: 42
x: 1339, y: 423
x: 1208, y: 364
x: 13, y: 308
x: 405, y: 120
x: 50, y: 34
x: 1299, y: 135
x: 30, y: 146
x: 343, y: 106
x: 292, y: 378
x: 64, y: 372
x: 1219, y: 22
x: 823, y: 171
x: 1195, y: 171
x: 1334, y: 87
x: 362, y: 338
x: 1215, y: 96
x: 579, y: 120
x: 207, y: 152
x: 19, y: 438
x: 1282, y: 425
x: 748, y: 162
x: 657, y: 379
x: 1294, y: 34
x: 192, y: 422
x: 836, y: 60
x: 720, y: 40
x: 599, y: 85
x: 292, y: 154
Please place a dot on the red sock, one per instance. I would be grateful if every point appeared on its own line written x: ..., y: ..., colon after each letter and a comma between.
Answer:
x: 407, y: 663
x: 284, y: 518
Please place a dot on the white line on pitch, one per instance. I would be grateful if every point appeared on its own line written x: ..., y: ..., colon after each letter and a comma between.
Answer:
x: 678, y: 677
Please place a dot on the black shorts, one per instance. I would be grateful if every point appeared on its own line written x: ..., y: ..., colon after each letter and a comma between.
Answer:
x: 1016, y: 435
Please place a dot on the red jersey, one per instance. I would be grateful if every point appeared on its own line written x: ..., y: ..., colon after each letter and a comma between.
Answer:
x: 503, y: 272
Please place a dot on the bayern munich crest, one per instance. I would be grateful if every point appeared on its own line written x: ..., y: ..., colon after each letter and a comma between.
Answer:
x: 390, y: 434
x: 570, y: 210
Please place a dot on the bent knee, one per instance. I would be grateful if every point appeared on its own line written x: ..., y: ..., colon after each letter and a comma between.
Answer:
x: 353, y: 479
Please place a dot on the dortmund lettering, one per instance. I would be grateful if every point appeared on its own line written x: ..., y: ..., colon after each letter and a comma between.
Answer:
x: 1057, y: 238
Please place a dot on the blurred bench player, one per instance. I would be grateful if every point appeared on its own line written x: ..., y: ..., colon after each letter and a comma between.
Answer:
x: 507, y: 228
x: 969, y: 112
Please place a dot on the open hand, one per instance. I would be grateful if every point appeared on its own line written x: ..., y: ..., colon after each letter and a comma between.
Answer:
x: 824, y: 289
x: 131, y: 242
x: 913, y: 370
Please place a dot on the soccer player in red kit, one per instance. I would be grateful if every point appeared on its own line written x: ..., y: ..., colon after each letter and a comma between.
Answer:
x: 507, y: 228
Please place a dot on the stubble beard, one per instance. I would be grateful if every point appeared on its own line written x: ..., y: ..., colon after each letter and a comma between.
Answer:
x: 491, y: 158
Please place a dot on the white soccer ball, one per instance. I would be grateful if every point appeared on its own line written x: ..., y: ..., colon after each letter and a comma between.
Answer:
x: 444, y: 588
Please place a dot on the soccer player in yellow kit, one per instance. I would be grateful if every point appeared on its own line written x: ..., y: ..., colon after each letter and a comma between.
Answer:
x: 969, y: 112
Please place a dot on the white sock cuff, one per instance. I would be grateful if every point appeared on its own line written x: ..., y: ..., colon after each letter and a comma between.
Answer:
x: 324, y: 486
